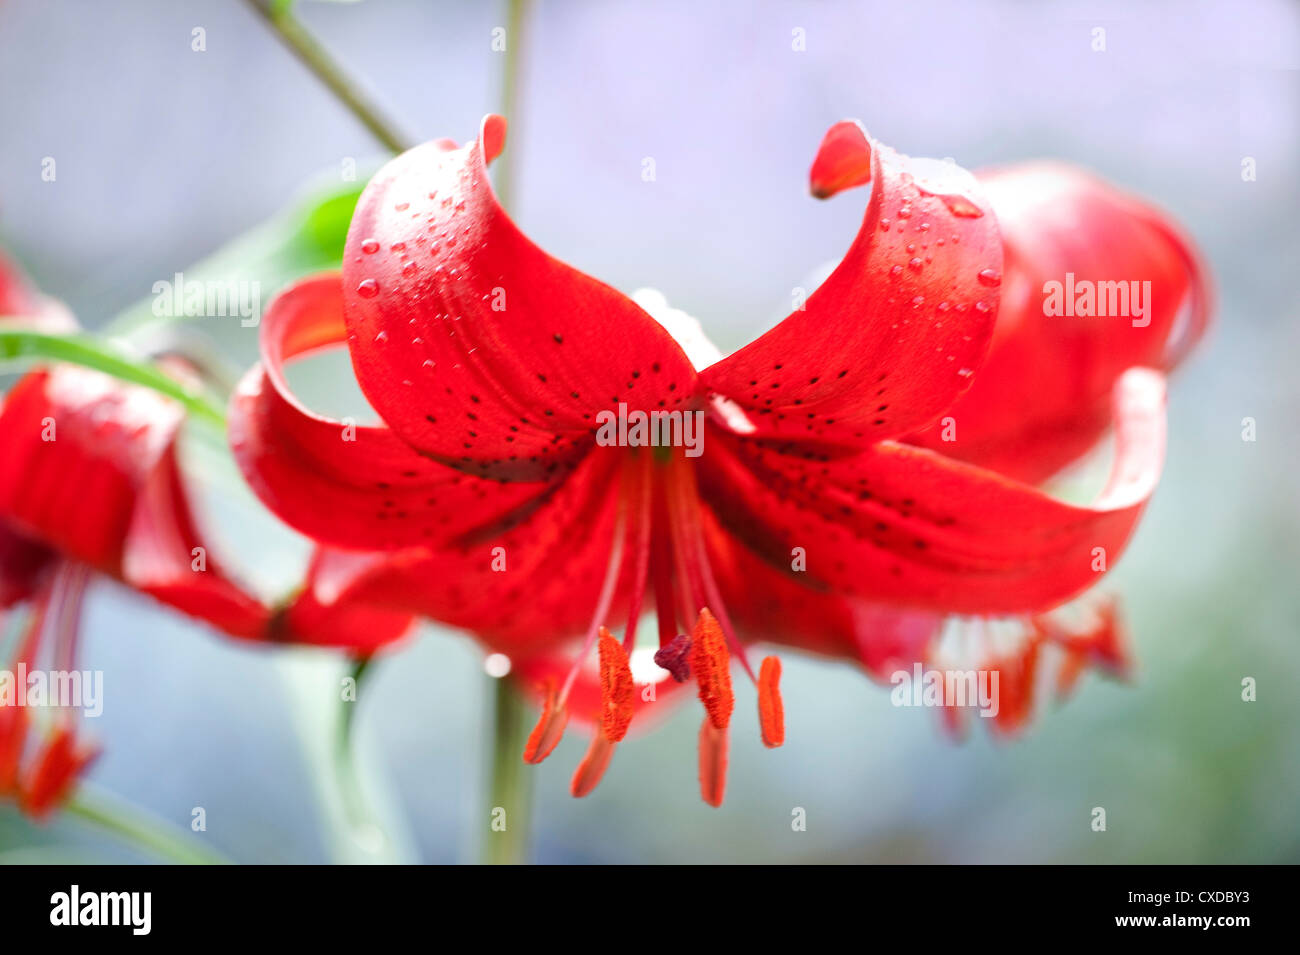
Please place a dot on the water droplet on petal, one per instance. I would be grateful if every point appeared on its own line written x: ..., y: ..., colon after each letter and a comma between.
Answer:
x: 990, y: 277
x: 368, y: 288
x: 370, y: 246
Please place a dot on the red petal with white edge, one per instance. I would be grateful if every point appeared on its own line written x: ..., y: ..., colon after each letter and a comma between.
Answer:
x: 905, y: 526
x: 893, y: 336
x: 475, y: 345
x: 338, y: 482
x: 90, y: 470
x: 1042, y: 398
x: 519, y: 590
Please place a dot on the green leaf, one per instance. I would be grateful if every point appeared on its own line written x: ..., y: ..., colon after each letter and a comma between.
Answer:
x: 80, y: 349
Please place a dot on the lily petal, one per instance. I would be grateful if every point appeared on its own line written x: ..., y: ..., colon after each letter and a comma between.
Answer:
x: 521, y: 589
x: 451, y: 309
x: 903, y: 525
x: 90, y: 470
x: 326, y: 616
x: 23, y: 565
x: 894, y: 335
x: 336, y: 481
x: 1042, y: 398
x: 783, y: 606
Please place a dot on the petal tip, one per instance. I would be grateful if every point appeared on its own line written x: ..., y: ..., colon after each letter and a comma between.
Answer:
x: 843, y: 160
x: 492, y: 134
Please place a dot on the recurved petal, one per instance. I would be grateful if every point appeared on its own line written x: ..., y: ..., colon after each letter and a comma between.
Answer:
x: 520, y: 589
x: 450, y: 308
x: 894, y: 335
x: 782, y: 604
x: 327, y: 615
x: 339, y: 482
x: 902, y: 525
x: 90, y: 471
x: 1074, y: 246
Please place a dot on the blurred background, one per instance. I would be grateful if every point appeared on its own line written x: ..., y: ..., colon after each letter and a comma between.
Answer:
x: 165, y: 154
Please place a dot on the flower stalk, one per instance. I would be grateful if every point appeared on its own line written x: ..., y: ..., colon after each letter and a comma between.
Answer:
x: 279, y: 16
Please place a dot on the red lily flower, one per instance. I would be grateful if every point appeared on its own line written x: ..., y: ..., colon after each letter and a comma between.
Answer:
x: 492, y: 366
x: 1043, y: 397
x: 90, y: 481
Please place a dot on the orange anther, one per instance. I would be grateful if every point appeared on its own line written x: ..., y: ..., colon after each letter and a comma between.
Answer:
x: 616, y: 688
x: 711, y: 665
x: 771, y: 711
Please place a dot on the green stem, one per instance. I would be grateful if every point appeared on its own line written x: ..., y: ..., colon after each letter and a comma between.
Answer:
x: 139, y: 828
x: 511, y: 782
x: 516, y: 24
x: 279, y: 15
x: 510, y: 786
x: 345, y: 764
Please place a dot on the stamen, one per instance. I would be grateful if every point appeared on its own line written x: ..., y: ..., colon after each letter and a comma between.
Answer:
x: 645, y: 530
x: 550, y: 727
x: 661, y: 569
x: 712, y: 669
x: 66, y: 599
x: 592, y: 767
x: 606, y: 599
x: 713, y: 763
x: 684, y: 552
x: 616, y: 688
x: 13, y: 734
x: 674, y: 657
x: 690, y: 508
x: 771, y: 711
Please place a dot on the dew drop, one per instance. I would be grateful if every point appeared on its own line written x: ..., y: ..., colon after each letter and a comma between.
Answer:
x: 402, y: 206
x: 368, y: 288
x: 381, y: 337
x: 370, y: 246
x: 990, y: 277
x: 915, y: 263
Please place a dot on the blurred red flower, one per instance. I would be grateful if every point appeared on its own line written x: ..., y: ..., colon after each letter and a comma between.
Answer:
x: 90, y: 481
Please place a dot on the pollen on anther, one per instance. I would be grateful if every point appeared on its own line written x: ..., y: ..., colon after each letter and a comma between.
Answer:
x: 711, y: 665
x: 550, y: 727
x: 616, y: 688
x: 771, y: 711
